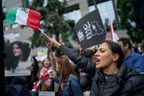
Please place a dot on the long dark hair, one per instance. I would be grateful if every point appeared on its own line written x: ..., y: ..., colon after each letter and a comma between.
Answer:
x: 116, y: 49
x: 9, y: 59
x: 25, y: 47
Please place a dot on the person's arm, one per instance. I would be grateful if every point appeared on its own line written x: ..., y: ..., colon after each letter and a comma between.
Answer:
x: 139, y: 86
x: 88, y: 53
x: 83, y: 62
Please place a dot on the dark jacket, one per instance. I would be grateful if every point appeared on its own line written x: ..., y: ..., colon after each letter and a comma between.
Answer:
x: 128, y: 82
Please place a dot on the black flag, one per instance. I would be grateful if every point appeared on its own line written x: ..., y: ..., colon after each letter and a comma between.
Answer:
x: 90, y: 30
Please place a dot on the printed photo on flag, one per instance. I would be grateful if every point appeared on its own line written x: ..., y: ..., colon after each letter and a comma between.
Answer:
x: 18, y: 58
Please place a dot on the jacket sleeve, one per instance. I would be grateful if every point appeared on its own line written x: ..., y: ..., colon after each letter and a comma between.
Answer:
x: 133, y: 85
x: 81, y: 61
x: 88, y: 53
x: 139, y: 86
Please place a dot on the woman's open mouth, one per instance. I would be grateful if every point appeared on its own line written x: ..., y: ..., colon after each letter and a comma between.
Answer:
x: 97, y: 60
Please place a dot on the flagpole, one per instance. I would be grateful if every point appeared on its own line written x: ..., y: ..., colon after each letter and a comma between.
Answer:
x: 95, y: 4
x: 44, y: 34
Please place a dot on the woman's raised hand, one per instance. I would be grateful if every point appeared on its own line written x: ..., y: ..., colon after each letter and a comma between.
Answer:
x: 55, y: 42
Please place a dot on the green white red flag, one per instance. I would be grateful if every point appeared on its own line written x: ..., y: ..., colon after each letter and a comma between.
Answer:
x: 24, y: 16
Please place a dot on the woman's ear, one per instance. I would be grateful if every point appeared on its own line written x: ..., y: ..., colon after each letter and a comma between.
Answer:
x: 115, y: 57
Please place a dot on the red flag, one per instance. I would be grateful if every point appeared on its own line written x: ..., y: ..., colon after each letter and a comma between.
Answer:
x: 39, y: 81
x: 113, y: 35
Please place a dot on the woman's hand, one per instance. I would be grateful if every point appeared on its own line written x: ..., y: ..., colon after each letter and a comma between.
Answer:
x: 55, y: 42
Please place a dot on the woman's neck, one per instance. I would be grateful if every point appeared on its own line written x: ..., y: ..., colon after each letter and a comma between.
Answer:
x: 112, y: 69
x: 21, y: 58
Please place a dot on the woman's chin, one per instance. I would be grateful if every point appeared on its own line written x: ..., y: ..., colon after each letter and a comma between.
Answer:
x: 97, y: 66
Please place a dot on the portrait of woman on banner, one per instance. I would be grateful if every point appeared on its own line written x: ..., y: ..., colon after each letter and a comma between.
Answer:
x: 19, y: 53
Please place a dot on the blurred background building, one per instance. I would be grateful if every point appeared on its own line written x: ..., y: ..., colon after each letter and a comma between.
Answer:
x: 79, y: 8
x: 75, y: 10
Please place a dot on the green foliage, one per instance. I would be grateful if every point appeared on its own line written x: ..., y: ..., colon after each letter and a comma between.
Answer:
x: 136, y: 34
x: 125, y: 11
x: 52, y: 21
x: 37, y: 41
x: 127, y: 14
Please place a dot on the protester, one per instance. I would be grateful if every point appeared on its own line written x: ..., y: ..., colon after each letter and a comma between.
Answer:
x: 40, y: 66
x: 132, y: 59
x: 110, y: 76
x: 47, y: 66
x: 48, y: 83
x: 68, y: 81
x: 85, y: 78
x: 33, y: 77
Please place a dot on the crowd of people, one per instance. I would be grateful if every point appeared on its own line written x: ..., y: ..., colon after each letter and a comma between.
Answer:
x: 113, y: 69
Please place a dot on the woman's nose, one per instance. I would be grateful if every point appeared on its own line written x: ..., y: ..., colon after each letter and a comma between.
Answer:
x: 97, y: 53
x: 13, y: 50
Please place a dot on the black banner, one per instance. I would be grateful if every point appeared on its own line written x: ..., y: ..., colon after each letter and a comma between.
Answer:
x: 90, y: 30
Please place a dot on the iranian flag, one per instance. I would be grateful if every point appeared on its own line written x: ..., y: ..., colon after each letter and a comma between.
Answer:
x: 24, y: 16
